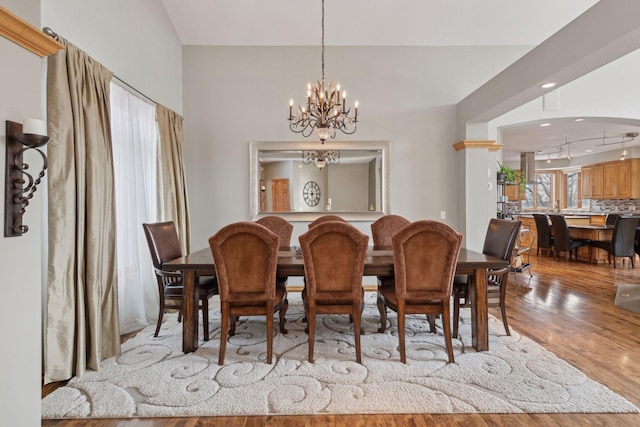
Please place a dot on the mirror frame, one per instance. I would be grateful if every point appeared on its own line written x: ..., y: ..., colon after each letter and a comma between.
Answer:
x: 254, y: 177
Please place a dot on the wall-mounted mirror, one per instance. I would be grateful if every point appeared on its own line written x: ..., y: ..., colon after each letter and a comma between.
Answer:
x: 303, y: 180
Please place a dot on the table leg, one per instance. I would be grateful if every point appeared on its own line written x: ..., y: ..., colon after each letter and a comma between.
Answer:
x: 190, y: 313
x: 479, y: 311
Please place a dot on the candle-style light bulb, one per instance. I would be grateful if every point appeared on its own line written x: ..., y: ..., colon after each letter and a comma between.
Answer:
x: 355, y: 118
x: 290, y: 108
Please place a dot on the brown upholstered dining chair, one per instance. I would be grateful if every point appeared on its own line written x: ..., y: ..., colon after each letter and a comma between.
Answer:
x: 425, y: 257
x: 280, y: 226
x: 283, y: 229
x: 562, y: 241
x: 545, y: 239
x: 382, y: 230
x: 246, y: 256
x: 164, y: 246
x: 385, y: 227
x: 325, y: 218
x: 622, y: 241
x: 499, y: 242
x: 333, y: 254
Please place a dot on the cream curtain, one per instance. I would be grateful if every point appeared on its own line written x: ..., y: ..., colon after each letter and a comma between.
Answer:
x: 135, y: 167
x: 172, y: 181
x: 82, y: 312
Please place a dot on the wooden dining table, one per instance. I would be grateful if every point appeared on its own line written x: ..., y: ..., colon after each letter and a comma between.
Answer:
x: 377, y: 263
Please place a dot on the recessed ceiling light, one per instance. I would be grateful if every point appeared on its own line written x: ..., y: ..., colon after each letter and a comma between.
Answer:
x: 545, y: 124
x: 547, y: 85
x: 588, y: 151
x: 579, y: 119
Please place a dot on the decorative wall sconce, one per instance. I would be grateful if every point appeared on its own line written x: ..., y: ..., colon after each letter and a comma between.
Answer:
x: 19, y: 185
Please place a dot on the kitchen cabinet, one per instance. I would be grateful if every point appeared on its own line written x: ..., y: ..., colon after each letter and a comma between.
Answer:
x: 612, y: 180
x: 617, y: 179
x: 592, y: 182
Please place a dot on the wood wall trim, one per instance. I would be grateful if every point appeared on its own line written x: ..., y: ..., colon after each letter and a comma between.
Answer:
x: 471, y: 143
x: 26, y: 35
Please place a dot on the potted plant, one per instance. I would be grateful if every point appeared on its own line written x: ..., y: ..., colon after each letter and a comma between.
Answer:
x: 505, y: 174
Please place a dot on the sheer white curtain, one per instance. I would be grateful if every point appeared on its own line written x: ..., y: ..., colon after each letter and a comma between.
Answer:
x: 135, y: 150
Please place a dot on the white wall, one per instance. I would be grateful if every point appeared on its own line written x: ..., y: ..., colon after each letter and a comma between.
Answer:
x: 20, y: 257
x: 233, y: 95
x: 134, y: 39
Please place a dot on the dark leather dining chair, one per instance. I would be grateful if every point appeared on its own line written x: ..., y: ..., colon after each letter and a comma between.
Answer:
x: 425, y: 257
x: 611, y: 219
x: 545, y: 239
x: 334, y: 253
x: 622, y: 240
x: 325, y: 218
x: 164, y: 245
x: 246, y: 257
x: 562, y: 241
x: 499, y: 242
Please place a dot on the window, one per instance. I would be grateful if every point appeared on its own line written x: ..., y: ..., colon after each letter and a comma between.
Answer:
x: 135, y: 145
x: 540, y: 195
x: 573, y: 190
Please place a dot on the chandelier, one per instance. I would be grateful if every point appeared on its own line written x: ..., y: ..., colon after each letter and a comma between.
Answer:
x: 321, y: 158
x: 325, y: 110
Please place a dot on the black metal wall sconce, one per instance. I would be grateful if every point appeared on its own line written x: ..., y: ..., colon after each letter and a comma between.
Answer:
x: 19, y: 185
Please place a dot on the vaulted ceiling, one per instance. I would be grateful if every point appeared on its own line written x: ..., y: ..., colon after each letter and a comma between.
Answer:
x: 403, y: 23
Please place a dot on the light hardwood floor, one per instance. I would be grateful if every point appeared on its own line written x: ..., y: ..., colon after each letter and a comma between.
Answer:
x: 569, y: 310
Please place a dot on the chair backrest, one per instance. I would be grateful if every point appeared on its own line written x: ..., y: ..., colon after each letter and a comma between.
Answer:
x: 325, y: 218
x: 246, y: 257
x: 624, y: 234
x: 425, y: 257
x: 560, y: 232
x: 501, y: 238
x: 384, y: 228
x: 334, y: 254
x: 611, y: 219
x: 163, y: 241
x: 544, y: 230
x: 280, y: 226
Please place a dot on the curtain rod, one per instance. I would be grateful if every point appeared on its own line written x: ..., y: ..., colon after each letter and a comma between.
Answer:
x: 48, y: 31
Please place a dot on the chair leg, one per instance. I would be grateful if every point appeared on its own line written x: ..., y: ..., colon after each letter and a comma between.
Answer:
x: 205, y: 318
x: 269, y: 314
x: 283, y: 312
x: 160, y: 316
x: 431, y: 318
x: 311, y: 325
x: 356, y: 330
x: 403, y: 354
x: 383, y: 313
x: 503, y: 311
x: 232, y: 328
x: 224, y: 325
x: 446, y: 329
x: 456, y: 314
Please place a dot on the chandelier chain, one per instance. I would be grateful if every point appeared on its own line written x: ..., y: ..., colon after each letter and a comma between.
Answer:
x: 325, y: 110
x: 322, y: 42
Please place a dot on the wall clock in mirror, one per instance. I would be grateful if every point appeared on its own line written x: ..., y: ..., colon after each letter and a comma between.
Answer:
x: 311, y: 193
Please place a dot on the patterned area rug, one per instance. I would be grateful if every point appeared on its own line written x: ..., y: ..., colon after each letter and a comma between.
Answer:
x: 152, y: 377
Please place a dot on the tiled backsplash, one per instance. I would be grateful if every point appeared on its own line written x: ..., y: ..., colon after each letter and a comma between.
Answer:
x: 615, y: 205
